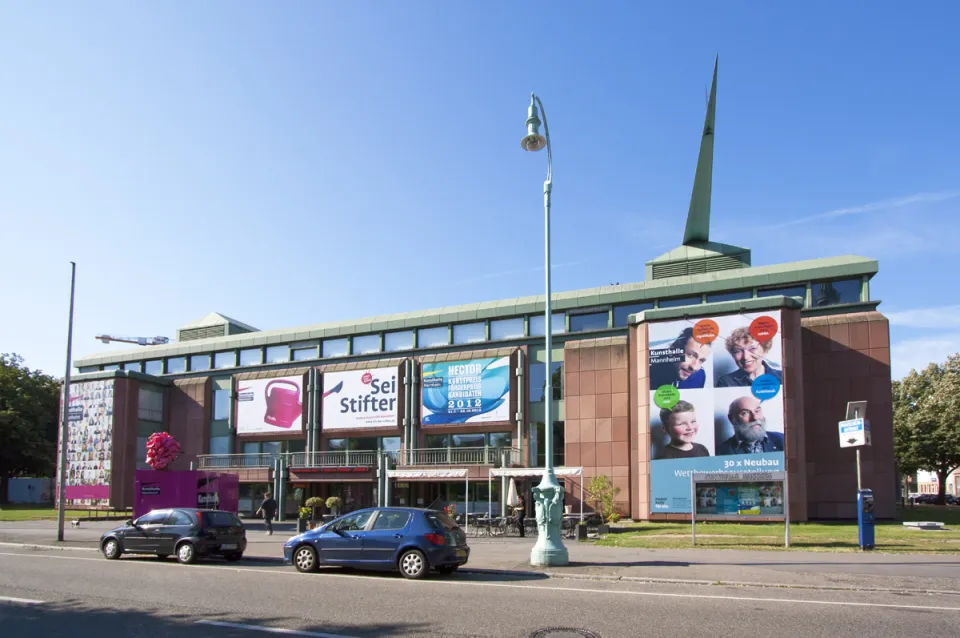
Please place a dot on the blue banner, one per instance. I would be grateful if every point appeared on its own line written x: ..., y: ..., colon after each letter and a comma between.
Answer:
x: 471, y: 391
x: 670, y: 479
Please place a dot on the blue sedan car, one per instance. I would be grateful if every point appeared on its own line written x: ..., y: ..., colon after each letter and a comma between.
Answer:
x: 407, y: 539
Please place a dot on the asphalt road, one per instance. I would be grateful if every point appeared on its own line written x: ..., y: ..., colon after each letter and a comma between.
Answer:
x: 80, y: 594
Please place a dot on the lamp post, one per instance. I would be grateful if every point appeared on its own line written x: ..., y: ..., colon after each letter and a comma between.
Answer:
x: 65, y: 416
x: 548, y: 496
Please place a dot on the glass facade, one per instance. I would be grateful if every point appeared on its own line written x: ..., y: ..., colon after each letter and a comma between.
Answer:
x: 220, y: 445
x: 336, y: 347
x: 278, y: 354
x: 537, y: 323
x: 199, y: 362
x: 433, y: 337
x: 592, y: 321
x: 305, y: 354
x: 401, y: 340
x: 154, y: 367
x: 366, y: 344
x: 176, y: 365
x: 558, y: 444
x: 251, y: 357
x: 681, y: 301
x: 469, y: 333
x: 538, y: 381
x: 221, y: 405
x: 506, y: 329
x: 841, y: 291
x: 736, y: 295
x: 788, y: 291
x: 149, y: 404
x: 622, y: 313
x: 226, y: 359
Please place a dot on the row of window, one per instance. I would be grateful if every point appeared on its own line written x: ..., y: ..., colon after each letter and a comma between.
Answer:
x: 822, y: 294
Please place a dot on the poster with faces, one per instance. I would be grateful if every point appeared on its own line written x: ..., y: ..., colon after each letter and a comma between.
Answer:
x: 716, y: 401
x: 89, y: 443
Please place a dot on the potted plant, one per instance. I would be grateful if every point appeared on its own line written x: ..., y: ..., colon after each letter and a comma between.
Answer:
x: 305, y: 513
x: 334, y: 503
x: 313, y: 504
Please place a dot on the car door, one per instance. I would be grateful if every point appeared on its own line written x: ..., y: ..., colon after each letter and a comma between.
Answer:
x: 145, y: 534
x: 386, y: 533
x: 176, y: 526
x: 342, y: 541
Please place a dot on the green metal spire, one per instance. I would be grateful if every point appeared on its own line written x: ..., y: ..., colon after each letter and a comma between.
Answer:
x: 698, y: 217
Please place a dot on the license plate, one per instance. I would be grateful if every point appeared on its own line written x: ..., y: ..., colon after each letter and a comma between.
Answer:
x: 228, y: 546
x: 461, y: 553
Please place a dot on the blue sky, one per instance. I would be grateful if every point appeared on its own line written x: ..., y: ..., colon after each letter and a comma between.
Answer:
x: 301, y: 162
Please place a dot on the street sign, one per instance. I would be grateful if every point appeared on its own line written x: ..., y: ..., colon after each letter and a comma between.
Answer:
x: 854, y: 433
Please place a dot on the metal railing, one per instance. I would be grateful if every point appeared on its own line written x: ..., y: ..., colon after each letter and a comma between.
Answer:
x: 357, y: 458
x: 461, y: 456
x: 221, y: 461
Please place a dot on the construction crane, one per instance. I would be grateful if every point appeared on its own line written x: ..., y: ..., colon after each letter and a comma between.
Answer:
x: 140, y: 341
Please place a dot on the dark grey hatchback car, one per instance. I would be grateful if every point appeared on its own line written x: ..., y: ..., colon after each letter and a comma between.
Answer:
x: 188, y: 533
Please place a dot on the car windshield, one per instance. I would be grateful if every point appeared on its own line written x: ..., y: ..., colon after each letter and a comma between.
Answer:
x: 442, y: 520
x: 221, y: 519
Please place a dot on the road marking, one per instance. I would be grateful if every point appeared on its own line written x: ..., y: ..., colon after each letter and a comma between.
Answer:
x: 446, y: 583
x: 22, y: 601
x: 272, y: 630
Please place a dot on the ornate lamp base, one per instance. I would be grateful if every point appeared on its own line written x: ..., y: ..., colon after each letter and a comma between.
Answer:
x: 548, y: 497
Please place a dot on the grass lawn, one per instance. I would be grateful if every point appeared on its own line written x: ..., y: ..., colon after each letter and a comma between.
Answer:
x: 891, y: 536
x: 18, y: 512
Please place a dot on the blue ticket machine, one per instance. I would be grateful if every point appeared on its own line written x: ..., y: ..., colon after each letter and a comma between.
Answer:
x: 865, y: 518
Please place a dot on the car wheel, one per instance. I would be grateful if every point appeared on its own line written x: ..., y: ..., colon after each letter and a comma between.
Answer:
x: 186, y: 553
x: 234, y: 557
x: 447, y: 569
x: 413, y: 564
x: 305, y: 559
x: 163, y: 556
x: 111, y: 549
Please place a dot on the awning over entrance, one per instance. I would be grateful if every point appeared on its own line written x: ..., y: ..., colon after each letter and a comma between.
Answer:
x: 419, y: 474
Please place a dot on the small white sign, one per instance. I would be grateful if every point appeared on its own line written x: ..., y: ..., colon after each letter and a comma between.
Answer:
x: 854, y: 433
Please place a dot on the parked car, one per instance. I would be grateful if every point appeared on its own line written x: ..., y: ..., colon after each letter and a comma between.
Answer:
x: 188, y: 533
x: 410, y: 540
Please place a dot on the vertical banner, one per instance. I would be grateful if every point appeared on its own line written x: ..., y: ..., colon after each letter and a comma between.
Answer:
x: 270, y: 406
x: 470, y: 391
x: 89, y: 443
x: 716, y: 401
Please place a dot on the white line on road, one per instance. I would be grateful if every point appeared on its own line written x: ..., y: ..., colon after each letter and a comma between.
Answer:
x: 22, y: 601
x: 448, y: 583
x: 272, y: 630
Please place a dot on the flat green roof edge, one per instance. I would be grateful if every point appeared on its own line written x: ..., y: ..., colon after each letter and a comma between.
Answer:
x: 739, y: 279
x: 719, y: 308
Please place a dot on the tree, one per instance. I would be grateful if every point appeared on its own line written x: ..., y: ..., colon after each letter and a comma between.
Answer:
x: 29, y: 411
x: 926, y: 421
x: 601, y: 492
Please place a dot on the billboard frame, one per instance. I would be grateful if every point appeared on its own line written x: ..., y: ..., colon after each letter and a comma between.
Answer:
x: 738, y: 478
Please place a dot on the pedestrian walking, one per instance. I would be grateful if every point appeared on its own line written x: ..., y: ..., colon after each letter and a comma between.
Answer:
x: 521, y: 515
x: 268, y: 509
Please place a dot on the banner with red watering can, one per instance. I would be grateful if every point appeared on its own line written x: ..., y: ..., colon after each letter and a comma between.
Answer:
x: 270, y: 406
x: 162, y: 450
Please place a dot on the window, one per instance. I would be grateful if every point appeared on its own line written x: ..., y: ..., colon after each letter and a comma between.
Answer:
x: 178, y: 518
x: 225, y: 360
x: 335, y: 348
x: 469, y: 440
x: 366, y: 344
x: 136, y: 366
x: 278, y: 354
x: 537, y: 324
x: 558, y: 446
x: 354, y: 522
x: 391, y: 520
x: 436, y: 440
x: 142, y: 453
x: 402, y: 340
x: 390, y: 444
x: 220, y: 445
x: 336, y: 445
x: 729, y: 296
x: 110, y: 368
x: 538, y: 381
x: 251, y: 447
x: 592, y: 321
x: 199, y: 362
x: 682, y: 301
x: 221, y: 405
x: 622, y: 313
x: 251, y: 357
x: 501, y: 439
x: 86, y: 369
x: 154, y: 367
x: 305, y: 354
x: 831, y: 293
x: 221, y: 519
x: 271, y: 447
x: 176, y: 365
x: 433, y: 337
x: 506, y: 329
x: 790, y: 291
x: 150, y: 404
x: 469, y: 333
x: 154, y: 518
x: 366, y: 444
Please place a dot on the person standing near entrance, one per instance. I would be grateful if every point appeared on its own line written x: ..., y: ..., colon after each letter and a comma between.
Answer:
x: 521, y: 515
x: 268, y: 509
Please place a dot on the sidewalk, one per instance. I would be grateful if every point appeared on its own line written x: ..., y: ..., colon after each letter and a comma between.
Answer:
x: 868, y: 570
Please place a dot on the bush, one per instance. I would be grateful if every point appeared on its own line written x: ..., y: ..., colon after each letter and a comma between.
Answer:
x: 601, y: 492
x: 306, y: 512
x: 614, y: 518
x: 314, y: 501
x: 334, y: 502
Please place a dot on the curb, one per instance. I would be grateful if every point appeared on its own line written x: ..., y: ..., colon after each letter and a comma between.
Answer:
x: 487, y: 571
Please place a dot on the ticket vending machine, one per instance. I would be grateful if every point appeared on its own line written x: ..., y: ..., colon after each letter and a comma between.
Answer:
x: 865, y: 519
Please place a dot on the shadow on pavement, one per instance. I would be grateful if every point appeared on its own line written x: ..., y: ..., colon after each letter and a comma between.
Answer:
x: 75, y: 619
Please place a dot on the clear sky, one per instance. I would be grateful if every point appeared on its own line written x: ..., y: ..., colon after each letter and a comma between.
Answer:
x: 291, y: 163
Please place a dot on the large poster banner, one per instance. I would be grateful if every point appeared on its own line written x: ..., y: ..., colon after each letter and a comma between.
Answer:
x: 360, y: 399
x: 270, y: 406
x: 471, y: 391
x: 89, y: 443
x: 716, y: 401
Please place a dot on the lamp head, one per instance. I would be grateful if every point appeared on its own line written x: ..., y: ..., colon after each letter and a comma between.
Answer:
x: 533, y: 141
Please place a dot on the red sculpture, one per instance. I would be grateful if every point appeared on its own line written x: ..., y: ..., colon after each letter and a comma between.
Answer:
x: 162, y: 449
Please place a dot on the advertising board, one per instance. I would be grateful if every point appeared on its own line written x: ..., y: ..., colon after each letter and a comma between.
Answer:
x: 89, y: 443
x: 716, y: 402
x: 270, y: 406
x: 360, y: 399
x: 469, y: 391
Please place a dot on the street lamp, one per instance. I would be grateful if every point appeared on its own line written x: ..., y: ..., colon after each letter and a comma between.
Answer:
x: 548, y: 496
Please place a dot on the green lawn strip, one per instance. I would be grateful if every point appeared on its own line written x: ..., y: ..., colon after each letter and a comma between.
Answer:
x: 29, y: 513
